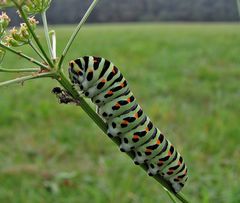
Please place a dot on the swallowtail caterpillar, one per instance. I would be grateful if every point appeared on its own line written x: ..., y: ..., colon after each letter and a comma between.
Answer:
x: 102, y: 82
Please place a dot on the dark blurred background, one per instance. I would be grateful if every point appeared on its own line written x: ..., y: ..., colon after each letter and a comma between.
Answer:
x: 70, y: 11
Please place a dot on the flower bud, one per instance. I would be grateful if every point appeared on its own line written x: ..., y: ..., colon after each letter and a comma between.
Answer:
x: 33, y: 22
x: 24, y: 31
x: 18, y: 36
x: 6, y: 3
x: 12, y: 42
x: 36, y: 6
x: 4, y: 20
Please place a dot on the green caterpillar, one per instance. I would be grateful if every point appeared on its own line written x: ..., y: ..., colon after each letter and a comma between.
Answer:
x: 102, y: 82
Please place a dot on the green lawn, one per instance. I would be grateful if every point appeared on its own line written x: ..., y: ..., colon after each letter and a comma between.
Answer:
x: 187, y: 79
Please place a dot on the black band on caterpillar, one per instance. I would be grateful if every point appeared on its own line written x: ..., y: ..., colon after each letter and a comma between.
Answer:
x: 99, y: 80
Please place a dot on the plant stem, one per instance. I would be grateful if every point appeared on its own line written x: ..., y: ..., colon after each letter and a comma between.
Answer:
x: 25, y: 78
x: 23, y: 15
x: 238, y: 5
x: 103, y: 126
x: 74, y: 35
x: 23, y: 70
x: 24, y: 56
x: 46, y: 32
x: 171, y: 196
x: 37, y: 51
x: 52, y: 34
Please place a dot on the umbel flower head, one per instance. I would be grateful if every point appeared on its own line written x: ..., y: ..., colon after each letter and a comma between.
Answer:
x: 32, y: 7
x: 21, y: 36
x: 4, y: 22
x: 5, y: 3
x: 9, y: 3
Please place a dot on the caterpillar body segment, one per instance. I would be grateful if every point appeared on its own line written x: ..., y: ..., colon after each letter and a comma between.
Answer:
x: 117, y: 106
x: 160, y: 161
x: 102, y: 82
x: 150, y: 149
x: 120, y: 88
x: 122, y: 124
x: 137, y: 136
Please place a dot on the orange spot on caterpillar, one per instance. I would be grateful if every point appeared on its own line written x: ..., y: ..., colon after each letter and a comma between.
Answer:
x: 148, y: 150
x: 147, y: 129
x: 117, y: 105
x: 170, y: 171
x: 125, y: 122
x: 103, y: 80
x: 158, y: 142
x: 160, y: 162
x: 136, y: 115
x: 135, y: 137
x: 129, y: 100
x: 169, y: 153
x: 110, y: 92
x: 113, y: 71
x: 122, y: 85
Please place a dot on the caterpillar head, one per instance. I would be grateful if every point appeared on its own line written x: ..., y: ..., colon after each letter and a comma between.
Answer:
x: 76, y: 71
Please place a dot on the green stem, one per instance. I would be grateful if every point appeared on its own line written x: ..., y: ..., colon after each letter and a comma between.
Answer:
x: 23, y: 70
x: 46, y: 32
x: 24, y: 56
x: 75, y: 33
x: 25, y: 78
x: 171, y: 196
x: 52, y: 34
x: 103, y: 126
x: 238, y: 5
x: 23, y: 15
x: 37, y: 51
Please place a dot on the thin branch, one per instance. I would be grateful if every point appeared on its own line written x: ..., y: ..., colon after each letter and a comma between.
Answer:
x: 46, y: 32
x: 170, y: 196
x: 23, y: 15
x: 181, y: 197
x: 75, y: 33
x: 238, y: 5
x: 37, y: 51
x: 54, y: 44
x: 26, y: 78
x: 24, y: 56
x: 22, y: 70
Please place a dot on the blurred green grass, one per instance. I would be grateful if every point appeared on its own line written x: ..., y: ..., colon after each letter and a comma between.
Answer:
x: 185, y: 76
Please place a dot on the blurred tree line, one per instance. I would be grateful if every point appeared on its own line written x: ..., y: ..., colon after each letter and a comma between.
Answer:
x: 70, y: 11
